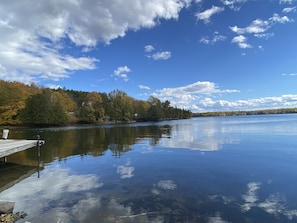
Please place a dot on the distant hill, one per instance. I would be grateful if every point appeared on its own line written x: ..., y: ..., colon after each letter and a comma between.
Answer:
x: 255, y: 112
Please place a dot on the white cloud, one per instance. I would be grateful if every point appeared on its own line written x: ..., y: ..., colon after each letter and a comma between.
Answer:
x: 200, y: 87
x: 205, y: 15
x: 121, y: 72
x: 289, y: 9
x: 204, y: 96
x: 241, y: 41
x: 144, y: 87
x: 164, y: 55
x: 287, y: 101
x: 276, y: 18
x: 286, y: 1
x: 291, y: 74
x: 205, y: 40
x: 33, y: 34
x: 258, y: 28
x: 53, y: 86
x: 160, y: 55
x: 122, y: 69
x: 149, y: 48
x: 183, y: 97
x: 2, y: 70
x: 264, y: 35
x: 216, y: 38
x: 234, y: 4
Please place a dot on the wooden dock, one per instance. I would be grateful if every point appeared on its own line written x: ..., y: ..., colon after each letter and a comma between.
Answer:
x: 11, y: 146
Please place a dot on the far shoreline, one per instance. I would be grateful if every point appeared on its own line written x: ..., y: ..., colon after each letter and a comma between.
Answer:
x: 243, y: 113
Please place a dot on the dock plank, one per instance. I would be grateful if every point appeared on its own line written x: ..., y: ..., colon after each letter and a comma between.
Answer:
x: 10, y: 146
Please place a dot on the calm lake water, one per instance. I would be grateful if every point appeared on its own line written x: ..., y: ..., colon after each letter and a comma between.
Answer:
x: 213, y: 170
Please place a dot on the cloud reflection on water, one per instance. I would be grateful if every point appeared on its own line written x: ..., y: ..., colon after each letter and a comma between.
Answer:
x: 216, y: 219
x: 126, y: 171
x: 250, y: 198
x: 62, y: 196
x: 166, y: 185
x: 274, y: 204
x: 163, y: 185
x: 204, y: 137
x: 54, y: 183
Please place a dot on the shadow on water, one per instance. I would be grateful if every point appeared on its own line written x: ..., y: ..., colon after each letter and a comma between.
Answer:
x: 12, y: 173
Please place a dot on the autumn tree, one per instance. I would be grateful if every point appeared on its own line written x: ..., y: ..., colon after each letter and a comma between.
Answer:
x: 141, y: 110
x: 121, y: 106
x: 155, y: 111
x: 43, y: 109
x: 12, y: 99
x: 91, y: 109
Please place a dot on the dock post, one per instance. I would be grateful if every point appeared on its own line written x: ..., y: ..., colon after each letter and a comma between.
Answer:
x: 4, y: 159
x: 38, y: 145
x: 38, y: 154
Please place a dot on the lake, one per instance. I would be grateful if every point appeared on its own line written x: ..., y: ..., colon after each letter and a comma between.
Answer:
x: 208, y: 169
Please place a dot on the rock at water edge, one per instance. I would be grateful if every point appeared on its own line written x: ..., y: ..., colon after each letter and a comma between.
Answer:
x: 6, y: 207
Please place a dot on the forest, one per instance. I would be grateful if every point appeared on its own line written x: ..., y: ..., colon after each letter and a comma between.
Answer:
x: 22, y: 104
x: 254, y: 112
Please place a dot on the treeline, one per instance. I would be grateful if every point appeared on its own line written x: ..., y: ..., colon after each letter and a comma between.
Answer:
x: 255, y: 112
x: 22, y: 104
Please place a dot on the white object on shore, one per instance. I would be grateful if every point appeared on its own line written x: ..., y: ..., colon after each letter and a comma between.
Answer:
x: 5, y: 133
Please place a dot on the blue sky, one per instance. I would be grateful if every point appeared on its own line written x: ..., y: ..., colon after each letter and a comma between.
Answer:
x: 202, y: 55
